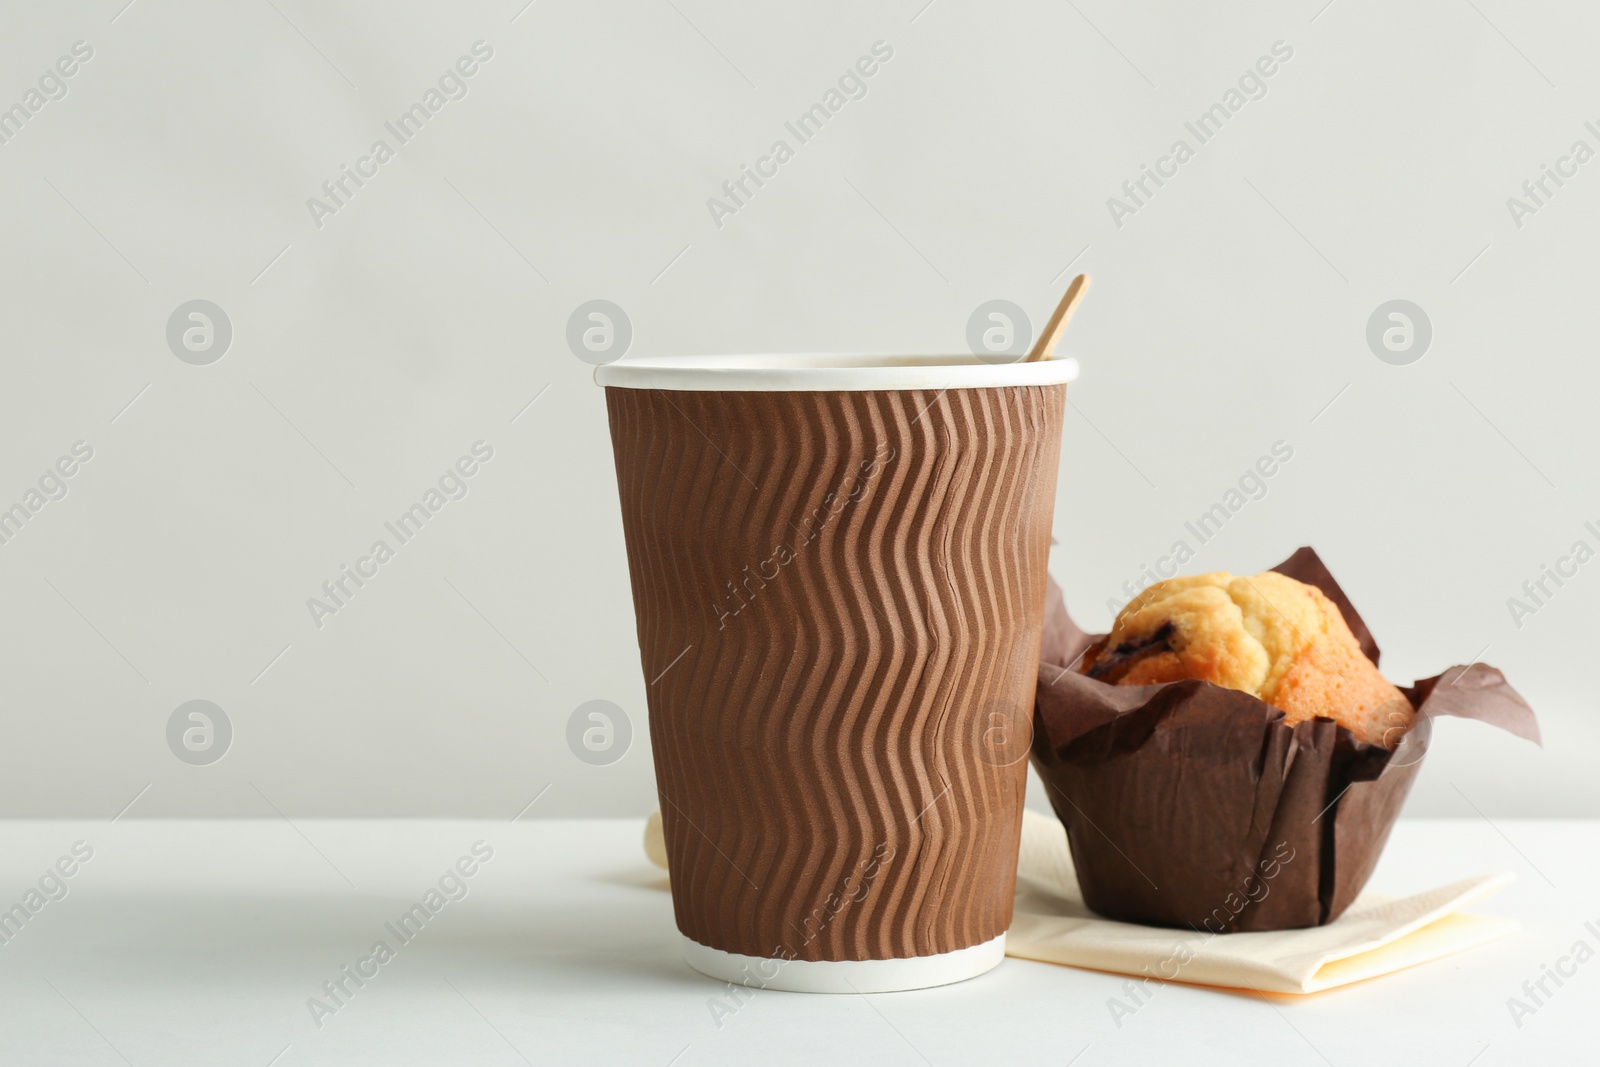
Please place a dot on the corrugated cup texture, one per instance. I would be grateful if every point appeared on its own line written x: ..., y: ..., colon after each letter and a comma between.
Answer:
x: 839, y: 599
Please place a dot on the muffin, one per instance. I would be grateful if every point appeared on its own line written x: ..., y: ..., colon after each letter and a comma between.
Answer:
x: 1239, y: 730
x: 1281, y: 641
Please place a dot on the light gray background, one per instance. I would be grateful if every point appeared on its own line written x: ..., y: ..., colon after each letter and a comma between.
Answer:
x: 1227, y: 314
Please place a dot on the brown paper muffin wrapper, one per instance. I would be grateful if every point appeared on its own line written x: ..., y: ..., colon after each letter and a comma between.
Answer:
x: 1193, y: 806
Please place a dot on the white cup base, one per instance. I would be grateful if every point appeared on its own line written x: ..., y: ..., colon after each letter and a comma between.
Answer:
x: 845, y: 976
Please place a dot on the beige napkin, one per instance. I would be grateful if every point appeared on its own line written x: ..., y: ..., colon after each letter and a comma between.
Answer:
x: 1376, y: 935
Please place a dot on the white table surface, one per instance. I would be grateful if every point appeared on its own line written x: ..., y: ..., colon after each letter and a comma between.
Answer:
x: 198, y: 942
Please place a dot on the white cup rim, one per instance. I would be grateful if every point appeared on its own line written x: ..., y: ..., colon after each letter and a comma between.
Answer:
x: 829, y: 372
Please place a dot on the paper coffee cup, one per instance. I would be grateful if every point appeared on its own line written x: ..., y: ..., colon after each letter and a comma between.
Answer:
x: 838, y: 569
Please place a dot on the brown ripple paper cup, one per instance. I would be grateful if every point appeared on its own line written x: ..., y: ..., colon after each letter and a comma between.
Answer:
x: 838, y: 572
